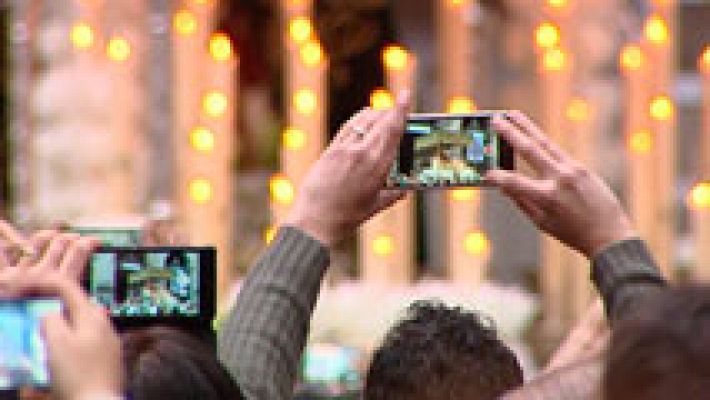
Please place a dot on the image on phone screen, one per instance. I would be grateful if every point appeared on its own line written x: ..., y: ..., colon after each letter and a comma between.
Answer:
x: 444, y: 150
x: 142, y: 283
x: 23, y: 356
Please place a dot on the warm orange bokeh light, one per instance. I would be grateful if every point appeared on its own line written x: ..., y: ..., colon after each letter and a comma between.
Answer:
x: 699, y: 197
x: 300, y: 29
x: 557, y: 3
x: 395, y: 57
x: 554, y: 60
x: 305, y: 101
x: 656, y: 30
x: 281, y: 190
x: 118, y: 49
x: 383, y: 245
x: 632, y: 58
x: 381, y: 99
x: 464, y: 195
x: 311, y: 53
x: 547, y: 35
x: 269, y: 234
x: 476, y: 243
x: 661, y: 108
x: 705, y: 60
x: 641, y: 142
x: 294, y: 139
x: 184, y: 22
x: 215, y: 103
x: 578, y: 110
x: 200, y: 190
x: 460, y: 105
x: 82, y: 36
x: 202, y: 139
x: 220, y: 46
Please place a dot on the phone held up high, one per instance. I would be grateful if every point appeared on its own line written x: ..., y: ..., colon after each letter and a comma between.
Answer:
x: 449, y: 150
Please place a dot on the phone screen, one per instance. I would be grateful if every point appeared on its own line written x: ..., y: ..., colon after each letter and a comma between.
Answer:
x: 445, y: 150
x: 146, y: 283
x: 23, y: 356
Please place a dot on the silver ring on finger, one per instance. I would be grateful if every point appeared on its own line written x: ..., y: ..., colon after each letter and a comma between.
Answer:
x: 359, y: 132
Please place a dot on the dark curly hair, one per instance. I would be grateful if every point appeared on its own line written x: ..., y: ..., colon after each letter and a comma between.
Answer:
x: 441, y: 352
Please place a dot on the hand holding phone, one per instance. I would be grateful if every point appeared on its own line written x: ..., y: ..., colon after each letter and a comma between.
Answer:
x: 449, y: 150
x: 83, y: 350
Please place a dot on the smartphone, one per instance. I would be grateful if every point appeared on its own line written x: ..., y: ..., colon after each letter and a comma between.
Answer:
x: 23, y: 356
x: 449, y: 150
x: 120, y: 237
x: 141, y: 286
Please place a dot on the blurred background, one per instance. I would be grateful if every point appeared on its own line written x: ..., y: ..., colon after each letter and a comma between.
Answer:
x: 204, y: 115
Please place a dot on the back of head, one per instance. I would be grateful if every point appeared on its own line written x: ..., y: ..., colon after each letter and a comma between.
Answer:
x: 163, y: 363
x: 664, y: 352
x: 440, y: 352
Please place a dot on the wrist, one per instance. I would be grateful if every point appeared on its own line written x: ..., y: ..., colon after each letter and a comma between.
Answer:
x: 607, y: 239
x: 313, y: 228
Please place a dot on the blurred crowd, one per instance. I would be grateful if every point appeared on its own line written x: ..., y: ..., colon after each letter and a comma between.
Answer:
x: 641, y: 340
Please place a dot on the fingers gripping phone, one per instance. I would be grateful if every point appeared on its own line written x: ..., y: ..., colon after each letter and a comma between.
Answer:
x: 449, y: 150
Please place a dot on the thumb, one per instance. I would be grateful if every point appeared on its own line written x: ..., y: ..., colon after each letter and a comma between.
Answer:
x: 386, y: 198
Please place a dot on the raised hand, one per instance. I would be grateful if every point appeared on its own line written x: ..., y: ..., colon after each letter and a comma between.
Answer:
x: 345, y: 186
x: 566, y: 199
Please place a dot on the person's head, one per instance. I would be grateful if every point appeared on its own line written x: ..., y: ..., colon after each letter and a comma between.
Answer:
x: 440, y: 352
x: 664, y: 351
x: 163, y: 363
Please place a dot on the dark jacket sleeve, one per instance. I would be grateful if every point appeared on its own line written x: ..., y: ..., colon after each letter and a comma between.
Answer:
x: 624, y: 273
x: 261, y: 340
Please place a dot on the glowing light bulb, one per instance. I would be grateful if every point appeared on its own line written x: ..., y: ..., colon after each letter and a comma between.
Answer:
x: 220, y: 46
x: 661, y: 108
x: 305, y: 101
x: 294, y: 138
x: 578, y: 110
x: 118, y: 49
x: 381, y: 99
x: 215, y: 103
x: 184, y: 22
x: 395, y: 57
x: 641, y: 142
x: 281, y: 190
x: 632, y: 58
x: 311, y: 53
x: 476, y: 243
x: 464, y: 195
x: 200, y: 190
x: 300, y: 29
x: 554, y: 60
x: 460, y: 105
x: 656, y: 30
x: 547, y: 35
x: 383, y: 245
x: 202, y: 139
x: 82, y: 35
x: 699, y: 197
